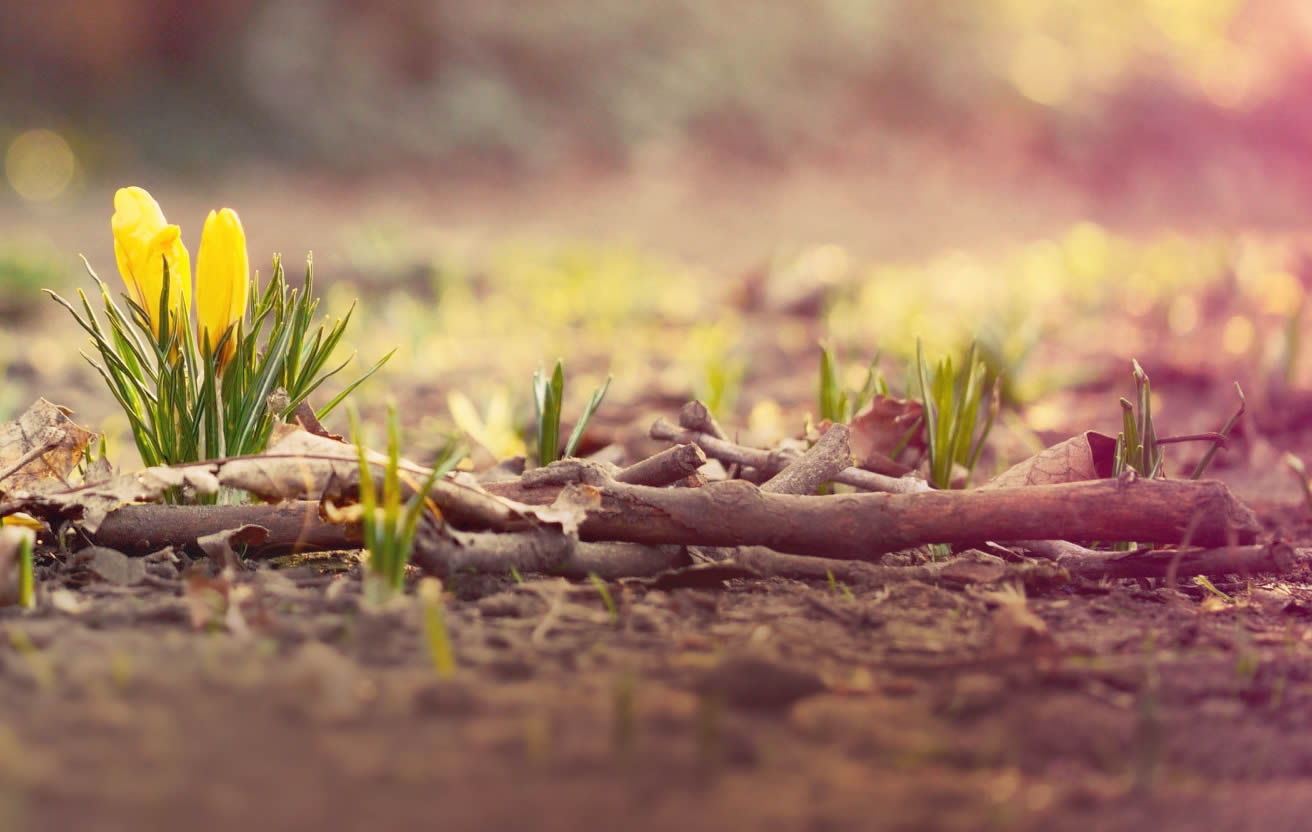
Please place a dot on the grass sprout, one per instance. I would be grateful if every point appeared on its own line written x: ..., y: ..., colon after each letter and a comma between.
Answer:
x: 1300, y: 470
x: 838, y: 404
x: 1137, y: 448
x: 838, y: 587
x: 548, y: 397
x: 606, y: 598
x: 389, y: 522
x: 952, y: 400
x: 435, y: 632
x: 26, y: 575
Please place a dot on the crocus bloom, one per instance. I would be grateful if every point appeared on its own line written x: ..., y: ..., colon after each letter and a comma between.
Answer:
x: 142, y: 242
x: 222, y: 279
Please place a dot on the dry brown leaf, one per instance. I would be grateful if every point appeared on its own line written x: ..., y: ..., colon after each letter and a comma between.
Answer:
x: 220, y: 547
x: 112, y: 566
x: 879, y: 429
x: 1087, y: 456
x: 89, y: 504
x: 301, y: 465
x: 49, y: 441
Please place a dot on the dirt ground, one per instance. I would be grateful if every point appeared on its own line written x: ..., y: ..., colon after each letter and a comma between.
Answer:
x: 754, y: 704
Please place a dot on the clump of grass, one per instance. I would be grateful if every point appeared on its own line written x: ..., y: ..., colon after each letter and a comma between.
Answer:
x: 1137, y: 448
x: 388, y: 522
x: 837, y: 404
x: 214, y: 383
x: 952, y: 400
x: 548, y: 396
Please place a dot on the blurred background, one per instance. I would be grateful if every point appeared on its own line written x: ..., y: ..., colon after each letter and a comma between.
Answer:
x: 1101, y: 93
x: 573, y: 152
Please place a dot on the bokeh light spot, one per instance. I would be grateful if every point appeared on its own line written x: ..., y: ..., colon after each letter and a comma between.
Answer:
x: 1041, y: 69
x: 1237, y: 337
x: 39, y: 165
x: 1281, y: 293
x: 1182, y: 316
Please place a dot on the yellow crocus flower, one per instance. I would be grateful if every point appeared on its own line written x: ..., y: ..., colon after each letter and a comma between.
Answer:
x: 222, y: 280
x: 142, y: 242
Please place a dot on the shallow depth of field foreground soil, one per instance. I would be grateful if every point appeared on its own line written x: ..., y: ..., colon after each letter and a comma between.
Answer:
x: 979, y: 688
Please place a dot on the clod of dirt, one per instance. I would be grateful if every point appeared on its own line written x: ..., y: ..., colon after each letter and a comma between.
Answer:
x: 753, y: 682
x: 445, y: 698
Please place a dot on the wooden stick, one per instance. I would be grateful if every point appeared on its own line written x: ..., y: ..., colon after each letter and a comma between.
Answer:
x: 1226, y: 560
x: 866, y: 526
x: 772, y: 462
x: 820, y: 464
x: 293, y: 527
x: 667, y: 467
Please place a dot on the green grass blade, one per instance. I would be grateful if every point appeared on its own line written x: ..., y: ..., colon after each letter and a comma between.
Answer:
x: 593, y: 403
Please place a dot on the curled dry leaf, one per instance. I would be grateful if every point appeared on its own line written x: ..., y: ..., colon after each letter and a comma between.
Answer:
x: 40, y: 448
x: 880, y: 430
x: 1087, y: 456
x: 220, y: 547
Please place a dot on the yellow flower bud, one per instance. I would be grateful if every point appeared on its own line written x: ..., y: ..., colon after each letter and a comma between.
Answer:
x: 142, y: 242
x: 222, y: 279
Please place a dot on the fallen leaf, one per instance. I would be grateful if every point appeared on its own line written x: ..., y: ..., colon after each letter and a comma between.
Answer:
x: 879, y: 430
x: 1088, y: 456
x: 42, y: 446
x: 302, y: 466
x: 220, y: 547
x: 112, y: 566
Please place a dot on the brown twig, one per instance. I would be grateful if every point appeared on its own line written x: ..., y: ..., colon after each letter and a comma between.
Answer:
x: 1277, y: 557
x: 772, y: 462
x: 696, y: 416
x: 823, y: 461
x: 865, y: 526
x: 537, y: 551
x: 293, y: 527
x: 665, y: 468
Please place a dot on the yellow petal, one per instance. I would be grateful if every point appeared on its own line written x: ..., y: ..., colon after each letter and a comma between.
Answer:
x: 222, y: 279
x: 167, y: 245
x: 137, y: 219
x: 142, y: 240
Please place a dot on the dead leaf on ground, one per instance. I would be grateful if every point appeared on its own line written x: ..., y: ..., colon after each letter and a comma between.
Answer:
x: 1087, y: 456
x: 44, y: 444
x: 300, y: 465
x: 221, y: 547
x: 112, y: 566
x: 91, y: 503
x: 879, y: 430
x: 216, y: 603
